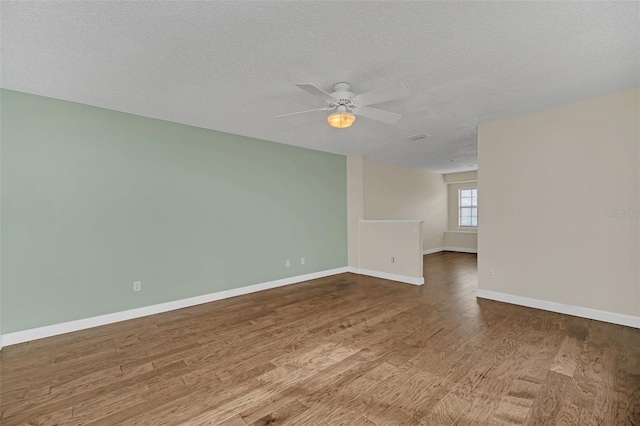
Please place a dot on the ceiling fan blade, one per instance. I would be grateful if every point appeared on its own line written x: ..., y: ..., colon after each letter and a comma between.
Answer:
x: 382, y: 95
x: 316, y: 92
x: 304, y: 112
x: 378, y: 114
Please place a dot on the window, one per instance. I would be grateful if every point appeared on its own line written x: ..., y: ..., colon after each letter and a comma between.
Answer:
x: 468, y: 208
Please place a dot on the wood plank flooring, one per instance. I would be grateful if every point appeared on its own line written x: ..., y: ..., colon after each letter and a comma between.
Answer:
x: 342, y: 350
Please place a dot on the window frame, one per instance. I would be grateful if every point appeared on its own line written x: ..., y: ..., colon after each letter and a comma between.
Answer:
x: 470, y: 207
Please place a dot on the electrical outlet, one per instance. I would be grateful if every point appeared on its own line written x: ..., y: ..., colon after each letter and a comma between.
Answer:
x: 137, y: 286
x: 302, y: 260
x: 287, y: 263
x: 491, y: 273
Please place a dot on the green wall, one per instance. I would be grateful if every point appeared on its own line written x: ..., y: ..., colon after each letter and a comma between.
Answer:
x: 93, y: 200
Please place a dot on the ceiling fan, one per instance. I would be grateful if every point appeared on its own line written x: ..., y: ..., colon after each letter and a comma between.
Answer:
x: 347, y: 104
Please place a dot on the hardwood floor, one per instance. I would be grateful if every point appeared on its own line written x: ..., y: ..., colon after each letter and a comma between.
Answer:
x: 343, y: 350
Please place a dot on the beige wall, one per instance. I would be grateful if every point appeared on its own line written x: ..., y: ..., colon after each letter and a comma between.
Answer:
x: 546, y: 182
x: 461, y: 241
x: 471, y: 176
x: 394, y: 192
x: 392, y: 248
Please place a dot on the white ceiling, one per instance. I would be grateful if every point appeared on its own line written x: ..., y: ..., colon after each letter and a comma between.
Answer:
x: 232, y: 66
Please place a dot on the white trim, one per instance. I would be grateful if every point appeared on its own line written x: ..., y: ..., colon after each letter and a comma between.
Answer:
x: 458, y: 249
x: 0, y: 342
x: 561, y: 308
x: 82, y: 324
x: 390, y: 221
x: 388, y: 276
x: 433, y: 250
x: 461, y: 249
x: 462, y: 232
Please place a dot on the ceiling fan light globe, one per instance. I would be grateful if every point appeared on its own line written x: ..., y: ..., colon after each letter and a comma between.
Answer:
x: 341, y: 120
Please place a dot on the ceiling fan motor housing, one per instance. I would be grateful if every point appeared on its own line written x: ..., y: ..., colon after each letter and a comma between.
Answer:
x: 342, y: 93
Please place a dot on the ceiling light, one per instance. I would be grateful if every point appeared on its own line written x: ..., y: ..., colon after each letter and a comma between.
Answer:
x: 340, y: 120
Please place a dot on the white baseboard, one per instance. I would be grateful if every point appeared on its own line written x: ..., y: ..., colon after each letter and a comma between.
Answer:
x: 458, y: 249
x: 433, y: 250
x: 82, y: 324
x: 561, y: 308
x: 388, y: 276
x: 461, y: 249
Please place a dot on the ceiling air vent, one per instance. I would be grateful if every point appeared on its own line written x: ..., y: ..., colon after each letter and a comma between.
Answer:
x: 417, y: 137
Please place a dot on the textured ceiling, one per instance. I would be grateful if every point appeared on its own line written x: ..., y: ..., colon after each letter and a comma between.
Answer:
x: 233, y: 66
